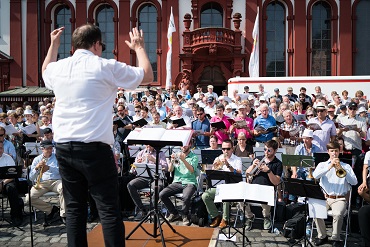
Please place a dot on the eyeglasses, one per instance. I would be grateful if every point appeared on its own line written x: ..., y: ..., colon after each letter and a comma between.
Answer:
x: 102, y: 46
x: 268, y: 150
x: 309, y: 115
x: 137, y: 111
x: 352, y: 108
x: 224, y: 149
x: 320, y: 110
x: 200, y: 114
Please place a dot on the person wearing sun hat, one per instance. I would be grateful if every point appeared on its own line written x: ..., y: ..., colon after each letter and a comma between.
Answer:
x: 328, y: 131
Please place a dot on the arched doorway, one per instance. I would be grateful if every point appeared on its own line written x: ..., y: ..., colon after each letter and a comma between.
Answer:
x: 212, y: 75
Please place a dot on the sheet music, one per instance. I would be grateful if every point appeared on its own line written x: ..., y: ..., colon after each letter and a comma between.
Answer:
x: 317, y: 208
x: 244, y: 191
x: 9, y: 129
x: 29, y: 129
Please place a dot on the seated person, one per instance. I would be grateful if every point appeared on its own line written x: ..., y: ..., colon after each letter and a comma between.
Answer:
x: 185, y: 167
x: 213, y: 143
x: 8, y: 186
x: 337, y: 189
x: 242, y: 149
x: 268, y: 170
x: 306, y: 148
x: 225, y: 162
x: 147, y: 155
x: 46, y: 164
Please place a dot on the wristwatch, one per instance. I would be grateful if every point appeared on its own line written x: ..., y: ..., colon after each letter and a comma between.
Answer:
x: 268, y: 171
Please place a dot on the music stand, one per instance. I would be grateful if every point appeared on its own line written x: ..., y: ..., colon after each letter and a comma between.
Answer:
x: 8, y: 172
x: 229, y: 178
x: 209, y: 155
x: 306, y: 189
x: 157, y: 214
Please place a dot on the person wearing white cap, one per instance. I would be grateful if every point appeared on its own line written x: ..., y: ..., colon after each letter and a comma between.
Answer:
x: 229, y: 111
x: 352, y: 136
x: 306, y: 148
x: 211, y: 93
x: 362, y: 113
x: 327, y: 133
x: 26, y: 126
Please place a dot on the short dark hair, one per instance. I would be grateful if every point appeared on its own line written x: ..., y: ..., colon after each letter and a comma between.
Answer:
x: 272, y: 144
x: 200, y: 109
x: 220, y: 106
x: 333, y: 145
x: 85, y: 36
x: 228, y: 141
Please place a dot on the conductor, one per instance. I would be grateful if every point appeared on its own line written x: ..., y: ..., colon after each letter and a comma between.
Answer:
x: 85, y: 86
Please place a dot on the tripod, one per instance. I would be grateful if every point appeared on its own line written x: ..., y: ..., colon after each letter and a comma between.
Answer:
x: 306, y: 189
x: 155, y: 213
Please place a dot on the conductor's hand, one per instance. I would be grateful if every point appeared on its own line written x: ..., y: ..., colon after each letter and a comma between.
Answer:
x: 55, y: 36
x: 137, y: 39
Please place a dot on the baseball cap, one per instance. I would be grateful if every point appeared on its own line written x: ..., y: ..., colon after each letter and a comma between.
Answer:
x: 262, y: 98
x: 342, y: 107
x: 48, y: 131
x: 27, y: 112
x: 228, y: 107
x: 46, y: 144
x: 276, y: 90
x: 352, y: 104
x: 241, y: 106
x: 361, y: 109
x: 210, y: 99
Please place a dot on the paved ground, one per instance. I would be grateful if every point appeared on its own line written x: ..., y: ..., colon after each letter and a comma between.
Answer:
x: 55, y: 234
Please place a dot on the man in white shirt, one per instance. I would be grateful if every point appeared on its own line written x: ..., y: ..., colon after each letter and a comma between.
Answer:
x: 211, y: 93
x: 196, y: 96
x: 46, y: 164
x: 226, y: 162
x: 179, y: 114
x: 337, y: 189
x: 8, y: 187
x: 84, y: 106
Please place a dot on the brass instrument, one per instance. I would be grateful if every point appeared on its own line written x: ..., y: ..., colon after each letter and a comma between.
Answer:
x: 218, y: 164
x: 310, y: 176
x: 40, y: 173
x: 176, y: 159
x: 255, y: 171
x: 340, y: 172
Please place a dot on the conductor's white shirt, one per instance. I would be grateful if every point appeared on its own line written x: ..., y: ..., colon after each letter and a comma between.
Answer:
x: 85, y: 86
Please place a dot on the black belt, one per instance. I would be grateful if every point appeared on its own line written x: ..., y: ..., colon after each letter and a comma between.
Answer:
x: 81, y: 145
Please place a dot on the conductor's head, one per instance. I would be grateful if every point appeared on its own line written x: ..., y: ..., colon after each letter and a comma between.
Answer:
x: 88, y: 37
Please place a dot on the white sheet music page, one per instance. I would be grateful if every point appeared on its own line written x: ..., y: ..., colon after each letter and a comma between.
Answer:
x: 178, y: 135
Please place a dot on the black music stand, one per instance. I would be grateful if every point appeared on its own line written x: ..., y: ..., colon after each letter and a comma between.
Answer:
x: 209, y: 155
x: 229, y: 178
x: 8, y: 172
x: 322, y: 157
x: 306, y: 189
x: 157, y: 214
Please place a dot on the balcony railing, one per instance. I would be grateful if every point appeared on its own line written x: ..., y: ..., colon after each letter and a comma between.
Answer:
x: 212, y: 35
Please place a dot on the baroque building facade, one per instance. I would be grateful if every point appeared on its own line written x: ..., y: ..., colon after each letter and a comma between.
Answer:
x: 212, y: 42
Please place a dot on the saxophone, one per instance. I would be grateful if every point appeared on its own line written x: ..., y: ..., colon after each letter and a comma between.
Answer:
x: 40, y: 173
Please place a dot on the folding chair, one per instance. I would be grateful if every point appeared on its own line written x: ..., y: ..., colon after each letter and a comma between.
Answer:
x: 347, y: 215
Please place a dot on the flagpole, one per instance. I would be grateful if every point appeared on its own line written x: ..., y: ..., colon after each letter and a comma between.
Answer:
x: 171, y: 29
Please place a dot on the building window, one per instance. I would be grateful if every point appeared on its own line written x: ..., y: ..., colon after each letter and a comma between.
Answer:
x: 321, y: 39
x: 148, y: 23
x: 62, y: 19
x: 362, y: 29
x: 275, y: 40
x: 104, y: 20
x: 211, y: 15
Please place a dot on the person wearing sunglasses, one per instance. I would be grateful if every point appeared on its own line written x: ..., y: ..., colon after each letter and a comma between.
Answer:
x: 201, y: 127
x: 227, y: 162
x: 327, y: 131
x: 353, y: 135
x: 268, y: 170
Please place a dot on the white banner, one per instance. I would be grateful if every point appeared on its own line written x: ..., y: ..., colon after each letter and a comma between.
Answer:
x: 254, y: 59
x: 171, y: 29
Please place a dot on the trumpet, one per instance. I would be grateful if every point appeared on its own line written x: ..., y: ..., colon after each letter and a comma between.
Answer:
x: 176, y: 159
x: 255, y: 171
x: 40, y: 173
x: 339, y: 171
x: 218, y: 164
